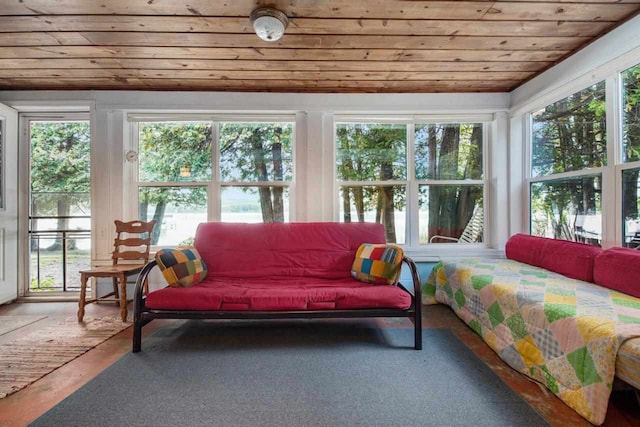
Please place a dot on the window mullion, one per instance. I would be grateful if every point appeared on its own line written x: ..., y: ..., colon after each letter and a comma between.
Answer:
x: 411, y: 213
x: 215, y: 194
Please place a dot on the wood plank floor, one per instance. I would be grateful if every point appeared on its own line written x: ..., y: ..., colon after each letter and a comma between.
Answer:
x: 28, y: 404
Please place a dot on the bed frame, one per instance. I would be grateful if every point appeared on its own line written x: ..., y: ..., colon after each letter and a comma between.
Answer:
x: 143, y: 315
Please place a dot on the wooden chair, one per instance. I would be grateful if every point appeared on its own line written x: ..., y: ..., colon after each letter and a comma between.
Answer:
x: 127, y: 249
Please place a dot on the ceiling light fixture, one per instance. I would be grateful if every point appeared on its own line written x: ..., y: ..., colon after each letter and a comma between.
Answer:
x: 268, y: 23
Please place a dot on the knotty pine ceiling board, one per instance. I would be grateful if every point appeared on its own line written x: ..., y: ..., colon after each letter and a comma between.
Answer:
x: 374, y: 46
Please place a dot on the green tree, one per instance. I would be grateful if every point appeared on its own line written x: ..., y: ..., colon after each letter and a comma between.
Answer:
x: 172, y: 152
x: 258, y: 152
x: 372, y: 152
x: 569, y: 135
x: 60, y: 171
x: 182, y: 151
x: 449, y: 152
x: 631, y: 141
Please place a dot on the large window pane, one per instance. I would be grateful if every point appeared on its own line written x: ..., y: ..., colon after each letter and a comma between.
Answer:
x: 631, y: 207
x: 371, y: 152
x: 450, y: 214
x: 256, y: 152
x: 631, y: 114
x: 382, y: 204
x: 174, y: 151
x: 177, y: 210
x: 570, y: 134
x: 448, y: 151
x: 568, y: 209
x: 255, y: 204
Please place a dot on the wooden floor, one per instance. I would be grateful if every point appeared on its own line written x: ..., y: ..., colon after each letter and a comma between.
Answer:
x: 26, y: 405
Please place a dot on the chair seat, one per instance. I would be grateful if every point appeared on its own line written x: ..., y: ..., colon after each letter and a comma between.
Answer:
x: 114, y: 269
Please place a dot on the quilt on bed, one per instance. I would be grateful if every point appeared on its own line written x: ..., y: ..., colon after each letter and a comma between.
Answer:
x: 562, y: 332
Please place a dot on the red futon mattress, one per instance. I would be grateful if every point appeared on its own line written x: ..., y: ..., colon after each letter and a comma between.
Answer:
x: 273, y: 266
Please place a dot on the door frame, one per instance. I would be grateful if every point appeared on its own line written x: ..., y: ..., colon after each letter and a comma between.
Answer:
x: 10, y: 206
x: 24, y: 196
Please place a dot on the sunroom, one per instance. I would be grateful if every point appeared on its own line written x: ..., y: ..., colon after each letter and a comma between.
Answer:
x: 457, y: 126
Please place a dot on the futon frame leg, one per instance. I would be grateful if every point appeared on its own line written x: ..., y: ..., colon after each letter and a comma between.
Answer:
x: 417, y: 325
x: 418, y: 335
x: 137, y: 336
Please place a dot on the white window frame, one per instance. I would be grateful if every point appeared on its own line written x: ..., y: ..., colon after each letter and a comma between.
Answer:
x: 587, y: 172
x: 617, y: 88
x: 213, y: 186
x: 411, y: 184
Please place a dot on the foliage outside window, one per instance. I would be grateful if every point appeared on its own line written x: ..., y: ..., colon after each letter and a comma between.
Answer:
x: 568, y: 209
x: 449, y: 169
x: 375, y: 179
x: 631, y: 153
x: 60, y: 203
x: 631, y: 114
x: 177, y: 179
x: 260, y: 153
x: 570, y: 135
x: 568, y: 148
x: 370, y: 153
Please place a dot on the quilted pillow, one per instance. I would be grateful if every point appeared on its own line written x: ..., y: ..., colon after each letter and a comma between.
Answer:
x: 181, y: 267
x: 377, y: 263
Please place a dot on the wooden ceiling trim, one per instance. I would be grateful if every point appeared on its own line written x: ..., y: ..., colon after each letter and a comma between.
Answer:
x: 289, y: 42
x: 381, y: 9
x: 241, y: 25
x: 399, y: 55
x: 58, y: 65
x: 381, y: 76
x: 258, y: 85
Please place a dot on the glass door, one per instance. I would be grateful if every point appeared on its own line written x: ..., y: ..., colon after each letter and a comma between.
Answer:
x: 60, y: 203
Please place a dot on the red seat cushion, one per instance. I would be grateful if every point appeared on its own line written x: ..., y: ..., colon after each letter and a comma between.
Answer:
x: 570, y: 259
x: 325, y: 250
x: 279, y: 293
x: 618, y: 269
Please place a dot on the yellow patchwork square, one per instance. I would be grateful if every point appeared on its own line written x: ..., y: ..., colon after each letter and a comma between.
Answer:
x: 529, y: 352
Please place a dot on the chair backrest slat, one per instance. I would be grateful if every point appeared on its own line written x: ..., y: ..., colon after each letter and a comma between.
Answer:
x: 125, y: 246
x: 131, y: 242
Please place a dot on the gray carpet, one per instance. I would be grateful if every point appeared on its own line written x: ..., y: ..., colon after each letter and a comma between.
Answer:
x: 294, y: 374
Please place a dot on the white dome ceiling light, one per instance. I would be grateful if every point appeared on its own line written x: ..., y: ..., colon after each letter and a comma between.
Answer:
x: 268, y: 23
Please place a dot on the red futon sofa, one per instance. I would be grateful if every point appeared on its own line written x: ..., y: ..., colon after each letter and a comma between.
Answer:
x: 277, y: 271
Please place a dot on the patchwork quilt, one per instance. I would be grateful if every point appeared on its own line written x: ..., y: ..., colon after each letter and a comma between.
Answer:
x: 562, y: 332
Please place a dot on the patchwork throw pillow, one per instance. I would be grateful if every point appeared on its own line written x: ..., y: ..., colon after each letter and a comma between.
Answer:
x: 181, y: 267
x: 378, y: 263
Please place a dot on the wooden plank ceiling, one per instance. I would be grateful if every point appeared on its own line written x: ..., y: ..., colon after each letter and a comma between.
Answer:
x: 330, y: 45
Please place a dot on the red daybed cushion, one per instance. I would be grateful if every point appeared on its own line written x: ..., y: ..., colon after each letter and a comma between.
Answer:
x: 571, y: 259
x: 325, y: 250
x: 618, y: 269
x: 279, y: 293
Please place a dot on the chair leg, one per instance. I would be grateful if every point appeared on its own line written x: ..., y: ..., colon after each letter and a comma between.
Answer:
x: 83, y: 296
x: 116, y: 292
x: 123, y: 297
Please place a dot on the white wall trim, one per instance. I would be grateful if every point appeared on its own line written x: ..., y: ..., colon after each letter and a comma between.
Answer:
x: 145, y: 101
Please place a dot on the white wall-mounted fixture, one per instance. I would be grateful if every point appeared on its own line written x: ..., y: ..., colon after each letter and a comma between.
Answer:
x: 268, y: 23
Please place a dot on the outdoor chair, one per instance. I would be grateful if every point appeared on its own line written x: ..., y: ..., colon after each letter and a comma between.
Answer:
x: 471, y: 232
x: 134, y: 251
